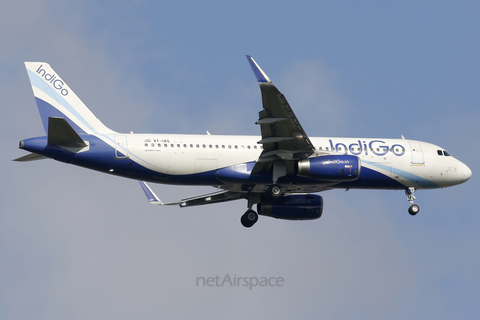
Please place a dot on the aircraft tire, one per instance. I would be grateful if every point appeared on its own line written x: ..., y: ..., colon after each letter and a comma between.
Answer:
x: 414, y: 209
x: 249, y: 218
x: 274, y: 192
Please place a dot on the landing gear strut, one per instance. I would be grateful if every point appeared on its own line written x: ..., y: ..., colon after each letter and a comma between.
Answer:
x: 410, y: 193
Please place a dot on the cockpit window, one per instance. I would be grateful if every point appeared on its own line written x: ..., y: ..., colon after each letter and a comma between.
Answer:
x: 446, y: 153
x: 439, y: 152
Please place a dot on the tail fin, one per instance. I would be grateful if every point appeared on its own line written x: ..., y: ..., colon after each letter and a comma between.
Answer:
x: 55, y: 99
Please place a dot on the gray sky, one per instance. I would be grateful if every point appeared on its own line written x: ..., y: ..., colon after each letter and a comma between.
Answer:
x: 78, y: 244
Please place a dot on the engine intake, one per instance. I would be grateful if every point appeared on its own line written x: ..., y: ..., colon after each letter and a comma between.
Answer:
x: 330, y: 168
x: 294, y: 207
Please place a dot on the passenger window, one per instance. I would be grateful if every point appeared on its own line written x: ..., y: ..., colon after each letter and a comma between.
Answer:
x: 198, y: 146
x: 248, y: 147
x: 439, y: 152
x: 223, y: 146
x: 178, y: 145
x: 172, y: 145
x: 146, y: 144
x: 319, y: 148
x: 326, y: 148
x: 236, y: 147
x: 210, y: 146
x: 191, y: 146
x: 204, y: 146
x: 229, y: 147
x: 165, y: 145
x: 254, y: 147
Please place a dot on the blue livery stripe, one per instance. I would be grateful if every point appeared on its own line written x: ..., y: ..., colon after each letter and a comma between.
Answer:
x: 422, y: 182
x: 40, y: 84
x: 47, y: 110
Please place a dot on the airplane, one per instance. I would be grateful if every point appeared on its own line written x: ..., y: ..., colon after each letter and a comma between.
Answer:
x: 278, y: 171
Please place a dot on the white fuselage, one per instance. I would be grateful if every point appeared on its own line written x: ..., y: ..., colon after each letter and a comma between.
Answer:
x: 411, y: 163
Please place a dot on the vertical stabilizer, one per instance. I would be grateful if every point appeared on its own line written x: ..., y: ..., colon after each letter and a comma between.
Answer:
x: 55, y: 99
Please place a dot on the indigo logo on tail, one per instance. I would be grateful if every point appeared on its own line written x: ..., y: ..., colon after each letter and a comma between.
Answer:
x: 56, y: 82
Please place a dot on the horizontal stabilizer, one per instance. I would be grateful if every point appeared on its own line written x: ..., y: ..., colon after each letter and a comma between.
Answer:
x: 60, y: 133
x: 30, y: 157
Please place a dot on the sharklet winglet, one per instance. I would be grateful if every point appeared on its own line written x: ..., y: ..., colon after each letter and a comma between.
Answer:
x: 151, y: 196
x: 259, y: 74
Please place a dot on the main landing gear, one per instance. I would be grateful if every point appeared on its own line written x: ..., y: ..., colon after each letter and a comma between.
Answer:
x: 249, y: 218
x: 410, y: 193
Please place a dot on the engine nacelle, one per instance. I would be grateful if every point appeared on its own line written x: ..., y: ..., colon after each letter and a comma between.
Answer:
x: 294, y: 207
x: 330, y: 168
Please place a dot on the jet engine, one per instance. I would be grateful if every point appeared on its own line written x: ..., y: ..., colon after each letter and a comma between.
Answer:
x: 293, y: 207
x: 330, y: 168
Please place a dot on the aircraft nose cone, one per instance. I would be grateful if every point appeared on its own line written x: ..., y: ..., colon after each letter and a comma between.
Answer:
x: 467, y: 173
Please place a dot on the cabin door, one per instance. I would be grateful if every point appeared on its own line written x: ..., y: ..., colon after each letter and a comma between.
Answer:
x: 121, y: 147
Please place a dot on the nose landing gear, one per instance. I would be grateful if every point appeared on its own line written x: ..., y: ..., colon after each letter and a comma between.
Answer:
x: 410, y: 193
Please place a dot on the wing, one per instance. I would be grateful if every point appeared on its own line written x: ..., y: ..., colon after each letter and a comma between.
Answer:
x: 216, y: 197
x: 283, y: 137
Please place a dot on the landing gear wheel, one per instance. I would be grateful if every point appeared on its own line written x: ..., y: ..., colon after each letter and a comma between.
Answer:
x: 414, y: 209
x: 410, y: 193
x: 249, y: 218
x: 274, y: 191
